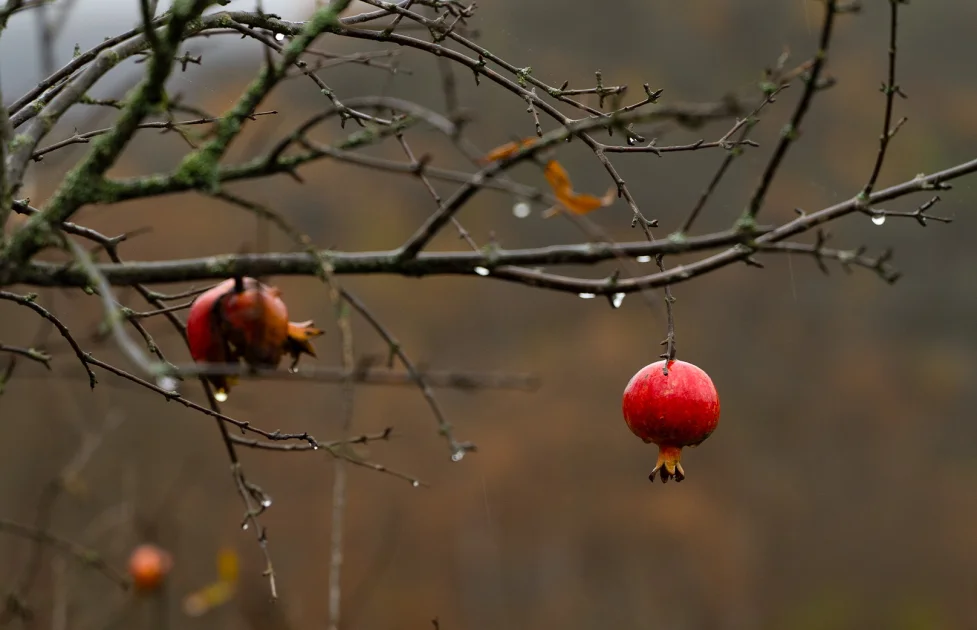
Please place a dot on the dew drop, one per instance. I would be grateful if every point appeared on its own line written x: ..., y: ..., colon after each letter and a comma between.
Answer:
x: 167, y: 383
x: 266, y: 502
x: 293, y: 369
x: 632, y: 141
x: 521, y: 210
x: 458, y: 455
x: 279, y: 37
x: 587, y: 296
x: 482, y: 271
x: 643, y: 259
x: 220, y: 396
x: 878, y: 219
x: 244, y: 526
x: 415, y: 483
x: 617, y: 300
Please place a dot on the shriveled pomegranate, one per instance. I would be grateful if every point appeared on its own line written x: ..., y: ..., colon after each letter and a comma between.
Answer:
x: 673, y: 410
x: 244, y: 319
x: 149, y: 566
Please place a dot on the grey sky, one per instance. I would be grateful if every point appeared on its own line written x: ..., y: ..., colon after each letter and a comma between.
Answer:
x: 92, y: 21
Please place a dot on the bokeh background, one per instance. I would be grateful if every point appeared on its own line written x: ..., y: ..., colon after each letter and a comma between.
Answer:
x: 838, y: 491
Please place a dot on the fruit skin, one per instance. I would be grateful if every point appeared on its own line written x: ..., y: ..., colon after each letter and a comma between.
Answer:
x: 149, y: 566
x: 242, y: 318
x: 673, y: 410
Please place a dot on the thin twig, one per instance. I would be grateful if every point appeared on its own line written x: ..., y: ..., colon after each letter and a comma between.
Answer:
x: 82, y: 554
x: 30, y: 353
x: 746, y: 125
x: 29, y: 302
x: 669, y: 342
x: 458, y: 449
x: 216, y: 414
x: 791, y: 130
x: 113, y: 314
x: 890, y: 89
x: 83, y: 138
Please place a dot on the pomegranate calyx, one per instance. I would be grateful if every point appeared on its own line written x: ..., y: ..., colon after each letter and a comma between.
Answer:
x: 298, y: 341
x: 668, y: 464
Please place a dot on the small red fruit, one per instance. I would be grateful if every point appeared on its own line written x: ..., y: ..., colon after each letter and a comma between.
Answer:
x: 673, y: 410
x: 149, y: 566
x: 244, y: 319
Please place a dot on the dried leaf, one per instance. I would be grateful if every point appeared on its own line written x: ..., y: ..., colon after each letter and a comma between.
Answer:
x: 582, y: 203
x: 507, y: 149
x: 575, y: 203
x: 558, y: 178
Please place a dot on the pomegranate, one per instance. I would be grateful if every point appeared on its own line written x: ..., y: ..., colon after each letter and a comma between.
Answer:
x: 672, y: 408
x: 149, y: 566
x: 244, y: 319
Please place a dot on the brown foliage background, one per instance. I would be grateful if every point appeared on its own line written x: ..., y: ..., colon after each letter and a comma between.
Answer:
x: 838, y: 491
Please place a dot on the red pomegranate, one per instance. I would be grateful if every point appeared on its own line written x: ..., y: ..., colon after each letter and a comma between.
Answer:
x: 244, y: 319
x: 673, y: 410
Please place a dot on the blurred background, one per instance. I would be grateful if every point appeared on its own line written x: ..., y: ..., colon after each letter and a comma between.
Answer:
x: 837, y: 492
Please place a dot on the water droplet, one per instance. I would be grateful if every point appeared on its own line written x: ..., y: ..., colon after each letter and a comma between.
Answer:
x: 632, y: 141
x: 315, y: 447
x: 482, y: 271
x: 244, y: 526
x: 643, y: 259
x: 266, y: 502
x: 279, y: 37
x: 587, y: 296
x: 617, y: 300
x: 167, y: 382
x: 458, y: 455
x: 293, y: 369
x: 220, y: 396
x: 878, y: 219
x: 415, y: 483
x: 521, y: 210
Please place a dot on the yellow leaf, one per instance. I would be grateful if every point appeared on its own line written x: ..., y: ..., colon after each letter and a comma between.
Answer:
x: 206, y: 599
x: 227, y: 565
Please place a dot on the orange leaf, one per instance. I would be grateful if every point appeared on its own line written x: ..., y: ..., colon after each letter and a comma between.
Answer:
x: 576, y: 203
x: 558, y: 179
x: 507, y: 149
x: 582, y: 203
